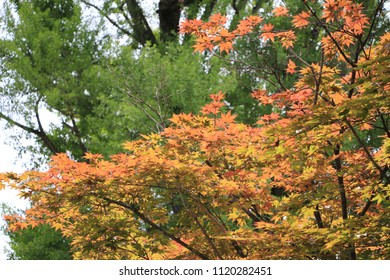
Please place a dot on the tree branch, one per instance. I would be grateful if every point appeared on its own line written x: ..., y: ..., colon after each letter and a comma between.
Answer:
x: 367, y: 152
x: 204, y: 231
x: 143, y: 217
x: 377, y: 10
x: 340, y: 180
x: 317, y: 216
x: 113, y: 22
x: 319, y: 21
x: 39, y: 133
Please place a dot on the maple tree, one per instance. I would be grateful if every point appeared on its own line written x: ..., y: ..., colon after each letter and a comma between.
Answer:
x: 310, y: 180
x: 100, y: 94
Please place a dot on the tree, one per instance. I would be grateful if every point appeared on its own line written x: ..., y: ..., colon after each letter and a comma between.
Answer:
x: 50, y: 61
x: 135, y: 21
x: 54, y: 59
x: 208, y: 186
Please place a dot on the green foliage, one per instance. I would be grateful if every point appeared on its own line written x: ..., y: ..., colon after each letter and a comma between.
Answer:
x: 38, y: 243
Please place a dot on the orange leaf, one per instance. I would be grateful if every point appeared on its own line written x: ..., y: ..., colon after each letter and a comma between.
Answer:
x: 287, y: 38
x: 267, y: 34
x: 226, y: 46
x: 227, y: 118
x: 366, y: 126
x: 218, y: 19
x: 280, y: 11
x: 338, y: 98
x: 300, y: 20
x: 291, y: 67
x: 217, y: 97
x: 203, y: 43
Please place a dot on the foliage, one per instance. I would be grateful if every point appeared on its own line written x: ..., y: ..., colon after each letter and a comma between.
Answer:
x: 310, y: 180
x: 55, y: 59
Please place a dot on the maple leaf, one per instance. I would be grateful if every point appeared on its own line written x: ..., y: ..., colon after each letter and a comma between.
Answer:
x: 217, y: 19
x: 245, y: 26
x: 93, y: 157
x: 331, y: 10
x: 266, y: 32
x: 355, y: 19
x: 291, y: 67
x: 227, y: 118
x: 203, y: 43
x: 261, y: 95
x: 287, y: 38
x: 338, y: 98
x: 226, y: 35
x: 225, y: 47
x: 217, y: 97
x: 300, y: 20
x: 366, y: 126
x: 271, y: 117
x: 254, y: 20
x: 190, y: 26
x: 280, y: 11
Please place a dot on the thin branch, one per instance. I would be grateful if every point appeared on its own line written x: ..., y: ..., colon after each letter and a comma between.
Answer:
x: 363, y: 145
x: 320, y: 22
x: 136, y: 101
x: 39, y: 133
x: 204, y: 231
x: 143, y: 217
x: 113, y: 22
x: 384, y: 122
x: 380, y: 5
x: 220, y: 224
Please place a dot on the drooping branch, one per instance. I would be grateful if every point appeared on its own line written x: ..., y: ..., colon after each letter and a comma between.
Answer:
x: 39, y: 133
x: 148, y: 221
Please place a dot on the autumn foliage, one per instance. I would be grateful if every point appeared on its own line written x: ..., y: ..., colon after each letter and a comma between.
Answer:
x: 309, y: 181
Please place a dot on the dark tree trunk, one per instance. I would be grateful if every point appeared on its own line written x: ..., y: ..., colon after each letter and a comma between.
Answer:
x: 169, y: 16
x: 141, y: 29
